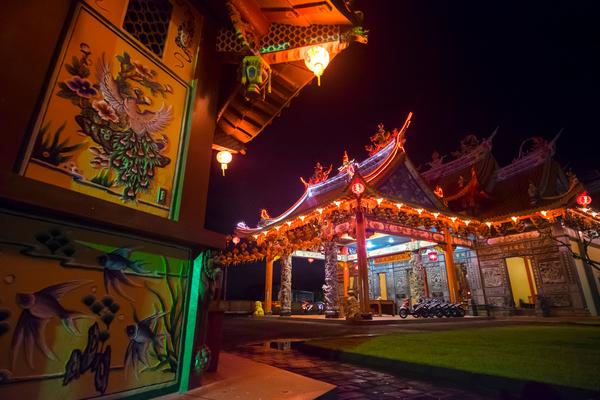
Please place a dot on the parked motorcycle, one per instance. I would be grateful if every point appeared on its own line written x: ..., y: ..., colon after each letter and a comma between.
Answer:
x: 429, y: 308
x: 313, y: 307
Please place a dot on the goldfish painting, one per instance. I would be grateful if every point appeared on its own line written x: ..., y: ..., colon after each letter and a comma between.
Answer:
x: 114, y: 264
x: 141, y: 335
x: 38, y: 309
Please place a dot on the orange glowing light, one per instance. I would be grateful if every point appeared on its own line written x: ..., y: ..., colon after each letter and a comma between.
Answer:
x: 467, y: 222
x: 235, y: 240
x: 320, y: 210
x: 435, y: 215
x: 514, y: 219
x: 433, y: 256
x: 399, y: 205
x: 289, y: 223
x: 419, y: 210
x: 310, y: 260
x: 358, y: 188
x: 337, y: 203
x: 379, y: 201
x: 224, y: 157
x: 316, y: 60
x: 489, y: 224
x: 584, y: 199
x: 453, y: 219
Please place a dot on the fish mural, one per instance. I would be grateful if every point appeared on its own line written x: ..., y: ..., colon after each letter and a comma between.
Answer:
x: 37, y: 309
x: 114, y: 264
x: 141, y: 335
x: 63, y: 324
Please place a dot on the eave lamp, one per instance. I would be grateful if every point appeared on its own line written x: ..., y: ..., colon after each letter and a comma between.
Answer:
x: 584, y: 200
x: 224, y: 157
x: 316, y: 60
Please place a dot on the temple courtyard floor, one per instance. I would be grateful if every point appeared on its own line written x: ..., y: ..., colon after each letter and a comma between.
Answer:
x: 468, y: 358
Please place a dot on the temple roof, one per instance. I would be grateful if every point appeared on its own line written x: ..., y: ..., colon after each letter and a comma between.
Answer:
x: 388, y: 173
x: 532, y: 183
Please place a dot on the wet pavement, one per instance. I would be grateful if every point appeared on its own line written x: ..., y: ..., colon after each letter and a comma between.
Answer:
x: 353, y: 382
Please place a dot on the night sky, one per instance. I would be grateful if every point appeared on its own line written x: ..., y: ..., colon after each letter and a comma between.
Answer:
x: 461, y: 67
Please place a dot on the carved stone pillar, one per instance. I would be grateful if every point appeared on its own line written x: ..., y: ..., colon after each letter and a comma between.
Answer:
x: 330, y: 288
x: 285, y: 289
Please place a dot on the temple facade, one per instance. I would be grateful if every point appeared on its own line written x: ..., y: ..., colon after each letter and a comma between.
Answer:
x: 501, y: 240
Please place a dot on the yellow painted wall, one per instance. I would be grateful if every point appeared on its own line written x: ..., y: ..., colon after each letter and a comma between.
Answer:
x: 382, y: 286
x: 517, y: 273
x: 586, y: 285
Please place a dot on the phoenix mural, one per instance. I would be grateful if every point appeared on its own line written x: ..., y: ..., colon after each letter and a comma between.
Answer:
x: 113, y: 121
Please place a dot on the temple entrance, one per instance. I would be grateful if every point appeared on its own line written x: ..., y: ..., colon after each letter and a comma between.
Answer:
x: 522, y: 285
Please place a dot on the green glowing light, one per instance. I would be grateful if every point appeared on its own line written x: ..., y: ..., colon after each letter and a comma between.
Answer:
x: 190, y: 324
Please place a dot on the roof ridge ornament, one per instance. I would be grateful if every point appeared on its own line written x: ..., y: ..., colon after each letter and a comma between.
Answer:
x: 319, y: 175
x: 347, y: 165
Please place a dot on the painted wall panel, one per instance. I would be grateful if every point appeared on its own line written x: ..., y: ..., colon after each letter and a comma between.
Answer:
x: 85, y: 312
x: 113, y: 121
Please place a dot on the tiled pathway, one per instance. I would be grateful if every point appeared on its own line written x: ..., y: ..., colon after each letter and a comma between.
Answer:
x: 353, y: 382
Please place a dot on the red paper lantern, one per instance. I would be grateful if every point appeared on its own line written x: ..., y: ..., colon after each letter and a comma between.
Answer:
x: 310, y: 260
x: 358, y: 188
x: 235, y: 240
x: 584, y: 199
x: 433, y: 256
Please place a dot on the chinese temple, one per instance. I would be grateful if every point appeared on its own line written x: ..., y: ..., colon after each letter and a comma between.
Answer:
x: 500, y: 239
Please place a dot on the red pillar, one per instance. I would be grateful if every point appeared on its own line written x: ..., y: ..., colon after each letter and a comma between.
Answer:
x: 363, y: 271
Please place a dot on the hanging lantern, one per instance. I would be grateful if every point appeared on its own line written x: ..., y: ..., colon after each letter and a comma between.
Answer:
x: 433, y: 256
x: 224, y: 157
x: 584, y: 199
x: 235, y: 239
x: 256, y: 77
x: 310, y: 260
x: 317, y: 59
x: 358, y: 188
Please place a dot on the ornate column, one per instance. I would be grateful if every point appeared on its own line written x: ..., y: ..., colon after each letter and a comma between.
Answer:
x: 450, y: 268
x: 268, y: 285
x: 285, y: 289
x: 330, y: 288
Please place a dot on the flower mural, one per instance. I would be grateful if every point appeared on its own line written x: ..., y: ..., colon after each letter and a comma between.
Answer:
x: 82, y: 87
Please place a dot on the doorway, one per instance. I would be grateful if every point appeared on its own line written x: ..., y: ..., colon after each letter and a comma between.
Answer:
x: 522, y: 284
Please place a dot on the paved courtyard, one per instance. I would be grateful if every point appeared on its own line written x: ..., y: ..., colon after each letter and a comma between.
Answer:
x: 353, y: 382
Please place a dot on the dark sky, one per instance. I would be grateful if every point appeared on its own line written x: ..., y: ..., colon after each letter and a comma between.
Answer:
x: 461, y: 67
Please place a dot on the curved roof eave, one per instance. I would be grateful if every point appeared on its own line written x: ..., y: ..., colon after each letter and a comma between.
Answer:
x: 321, y: 189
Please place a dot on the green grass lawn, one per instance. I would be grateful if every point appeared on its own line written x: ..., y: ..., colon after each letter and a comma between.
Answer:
x: 560, y: 354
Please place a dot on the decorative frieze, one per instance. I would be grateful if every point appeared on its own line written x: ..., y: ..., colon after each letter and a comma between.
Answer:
x: 492, y: 277
x: 551, y: 271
